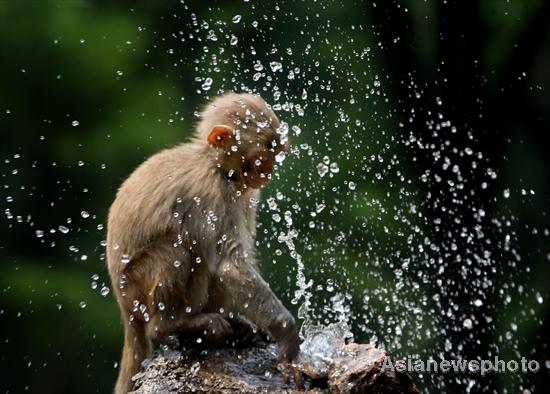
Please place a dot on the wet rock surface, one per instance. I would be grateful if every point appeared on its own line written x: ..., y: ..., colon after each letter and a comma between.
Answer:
x: 250, y: 370
x: 356, y: 369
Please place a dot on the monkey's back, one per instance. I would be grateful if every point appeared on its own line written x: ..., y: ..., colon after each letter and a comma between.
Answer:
x: 144, y: 205
x: 143, y: 230
x: 175, y: 193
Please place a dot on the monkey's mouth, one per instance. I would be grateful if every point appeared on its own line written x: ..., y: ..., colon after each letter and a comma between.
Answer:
x: 257, y: 178
x: 264, y: 181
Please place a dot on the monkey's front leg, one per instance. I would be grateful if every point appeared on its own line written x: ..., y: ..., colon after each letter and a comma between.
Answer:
x: 253, y: 298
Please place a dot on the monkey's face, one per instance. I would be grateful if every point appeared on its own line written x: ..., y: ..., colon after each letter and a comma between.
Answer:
x: 257, y: 169
x: 260, y: 152
x: 249, y: 147
x: 248, y: 155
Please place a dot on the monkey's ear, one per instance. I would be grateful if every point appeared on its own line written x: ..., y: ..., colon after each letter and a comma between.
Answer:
x: 219, y: 135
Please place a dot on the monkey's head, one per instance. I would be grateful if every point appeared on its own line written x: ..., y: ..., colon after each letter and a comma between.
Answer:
x: 247, y: 138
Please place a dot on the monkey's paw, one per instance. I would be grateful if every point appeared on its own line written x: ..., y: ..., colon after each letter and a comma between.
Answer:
x: 213, y: 326
x: 208, y: 329
x: 245, y: 333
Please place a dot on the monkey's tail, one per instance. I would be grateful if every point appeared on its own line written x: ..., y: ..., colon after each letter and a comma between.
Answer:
x: 137, y: 347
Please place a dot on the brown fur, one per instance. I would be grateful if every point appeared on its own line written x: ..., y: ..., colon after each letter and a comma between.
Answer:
x: 194, y: 205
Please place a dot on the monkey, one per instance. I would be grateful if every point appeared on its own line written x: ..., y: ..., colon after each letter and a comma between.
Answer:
x: 181, y: 236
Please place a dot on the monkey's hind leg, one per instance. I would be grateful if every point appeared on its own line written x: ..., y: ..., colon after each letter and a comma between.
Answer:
x: 137, y: 347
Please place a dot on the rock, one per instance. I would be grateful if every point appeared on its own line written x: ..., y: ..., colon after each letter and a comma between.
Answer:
x: 357, y: 369
x: 249, y: 370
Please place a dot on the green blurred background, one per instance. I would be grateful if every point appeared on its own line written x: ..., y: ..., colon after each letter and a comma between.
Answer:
x: 89, y: 89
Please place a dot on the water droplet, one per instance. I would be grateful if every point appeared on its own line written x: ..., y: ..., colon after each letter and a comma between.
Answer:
x: 236, y: 18
x: 125, y: 259
x: 39, y: 233
x: 280, y: 157
x: 75, y: 123
x: 207, y: 84
x: 212, y: 36
x: 83, y: 304
x: 258, y: 66
x: 467, y: 323
x: 104, y: 291
x: 276, y: 66
x: 322, y: 169
x: 63, y: 229
x: 233, y: 40
x: 352, y: 185
x: 85, y: 214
